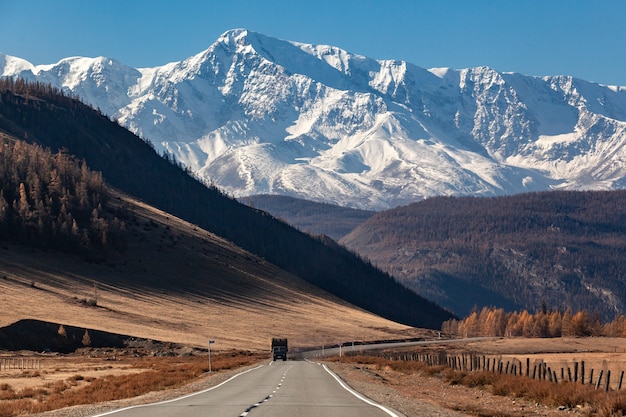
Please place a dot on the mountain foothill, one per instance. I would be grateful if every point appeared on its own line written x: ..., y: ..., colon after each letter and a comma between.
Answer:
x: 78, y: 190
x: 554, y: 249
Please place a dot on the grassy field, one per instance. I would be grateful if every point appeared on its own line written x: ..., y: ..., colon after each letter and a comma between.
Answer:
x: 410, y: 386
x: 175, y: 282
x: 97, y: 376
x: 598, y: 354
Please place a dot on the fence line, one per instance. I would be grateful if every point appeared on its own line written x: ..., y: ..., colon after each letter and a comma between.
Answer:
x: 19, y: 363
x: 539, y: 370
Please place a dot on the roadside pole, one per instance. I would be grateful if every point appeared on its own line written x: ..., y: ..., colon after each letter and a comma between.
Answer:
x: 210, y: 342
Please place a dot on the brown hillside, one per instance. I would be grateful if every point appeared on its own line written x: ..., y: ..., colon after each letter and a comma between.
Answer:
x: 554, y: 249
x: 176, y: 282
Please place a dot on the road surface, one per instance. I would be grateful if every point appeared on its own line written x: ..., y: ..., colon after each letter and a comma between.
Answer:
x: 347, y: 348
x: 277, y: 389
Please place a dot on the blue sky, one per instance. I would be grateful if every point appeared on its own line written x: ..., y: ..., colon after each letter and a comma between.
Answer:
x: 586, y: 39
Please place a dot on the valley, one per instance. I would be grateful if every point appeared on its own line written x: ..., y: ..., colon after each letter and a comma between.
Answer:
x: 175, y: 282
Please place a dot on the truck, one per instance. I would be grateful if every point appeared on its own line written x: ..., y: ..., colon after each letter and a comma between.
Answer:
x: 279, y: 348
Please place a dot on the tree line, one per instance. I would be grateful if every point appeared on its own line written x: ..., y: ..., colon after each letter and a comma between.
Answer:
x: 52, y: 200
x: 495, y: 322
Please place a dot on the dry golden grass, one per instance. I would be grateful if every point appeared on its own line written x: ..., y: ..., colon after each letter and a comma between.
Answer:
x: 406, y: 376
x: 75, y: 380
x: 176, y: 282
x: 597, y: 353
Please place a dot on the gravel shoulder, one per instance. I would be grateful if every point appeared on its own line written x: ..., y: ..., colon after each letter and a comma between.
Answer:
x: 417, y: 395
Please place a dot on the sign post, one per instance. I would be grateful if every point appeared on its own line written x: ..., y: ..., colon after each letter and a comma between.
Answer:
x: 210, y: 342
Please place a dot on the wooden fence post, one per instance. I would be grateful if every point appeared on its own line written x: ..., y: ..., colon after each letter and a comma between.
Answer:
x: 582, y: 372
x: 527, y: 367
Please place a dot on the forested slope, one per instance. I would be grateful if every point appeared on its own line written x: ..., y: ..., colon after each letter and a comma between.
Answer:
x: 40, y: 114
x: 561, y: 249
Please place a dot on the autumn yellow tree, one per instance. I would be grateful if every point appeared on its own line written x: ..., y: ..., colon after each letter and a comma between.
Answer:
x: 581, y: 324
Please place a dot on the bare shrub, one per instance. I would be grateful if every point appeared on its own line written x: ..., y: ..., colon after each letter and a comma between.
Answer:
x: 615, y: 405
x: 26, y: 393
x: 57, y: 386
x: 6, y: 392
x: 478, y: 379
x: 15, y: 408
x: 161, y: 373
x: 593, y: 402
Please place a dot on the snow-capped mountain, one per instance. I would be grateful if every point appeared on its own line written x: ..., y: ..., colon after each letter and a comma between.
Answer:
x: 258, y: 115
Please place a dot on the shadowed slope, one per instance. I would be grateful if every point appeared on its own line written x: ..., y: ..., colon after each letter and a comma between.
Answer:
x: 176, y: 282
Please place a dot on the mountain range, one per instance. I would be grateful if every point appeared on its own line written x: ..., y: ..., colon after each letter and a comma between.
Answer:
x: 38, y: 114
x: 258, y: 115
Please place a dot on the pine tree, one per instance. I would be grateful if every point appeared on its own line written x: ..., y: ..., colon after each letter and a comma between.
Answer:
x: 86, y: 341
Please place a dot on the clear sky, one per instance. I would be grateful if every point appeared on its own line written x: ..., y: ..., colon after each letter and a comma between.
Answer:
x: 586, y: 39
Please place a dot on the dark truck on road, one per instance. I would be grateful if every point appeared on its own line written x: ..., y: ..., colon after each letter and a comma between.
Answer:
x: 279, y: 348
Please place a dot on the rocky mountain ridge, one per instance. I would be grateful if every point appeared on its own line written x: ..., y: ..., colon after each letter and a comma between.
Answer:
x: 258, y: 115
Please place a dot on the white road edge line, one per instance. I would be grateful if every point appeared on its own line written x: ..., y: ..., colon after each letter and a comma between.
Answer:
x: 178, y: 398
x: 360, y: 396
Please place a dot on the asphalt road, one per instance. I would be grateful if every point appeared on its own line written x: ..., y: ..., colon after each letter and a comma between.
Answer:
x: 278, y: 389
x: 348, y: 348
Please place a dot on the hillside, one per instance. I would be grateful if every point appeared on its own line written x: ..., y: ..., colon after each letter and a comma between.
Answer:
x: 177, y: 283
x: 561, y: 249
x: 255, y: 115
x: 161, y: 278
x: 40, y: 115
x: 309, y: 216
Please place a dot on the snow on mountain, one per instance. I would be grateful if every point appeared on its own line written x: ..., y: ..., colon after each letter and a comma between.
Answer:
x: 258, y: 115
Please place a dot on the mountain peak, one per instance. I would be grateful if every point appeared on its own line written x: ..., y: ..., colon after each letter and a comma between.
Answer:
x: 254, y: 114
x: 10, y: 65
x: 233, y: 36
